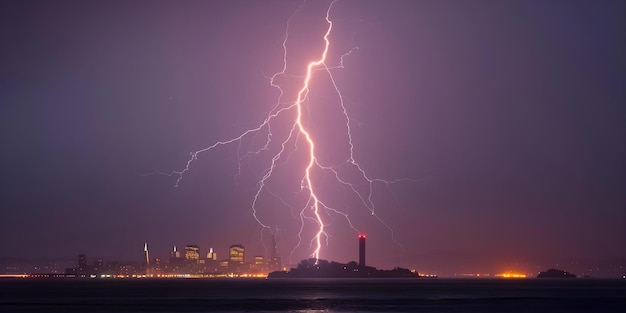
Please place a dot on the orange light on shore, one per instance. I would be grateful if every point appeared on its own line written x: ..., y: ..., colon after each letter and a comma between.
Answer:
x: 511, y: 275
x: 14, y: 275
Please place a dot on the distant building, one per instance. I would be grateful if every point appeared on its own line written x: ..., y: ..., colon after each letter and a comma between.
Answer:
x: 211, y: 255
x: 223, y: 264
x: 192, y: 252
x: 84, y: 270
x: 81, y: 269
x: 274, y: 262
x: 236, y: 254
x: 154, y: 268
x: 146, y: 257
x: 98, y: 265
x: 362, y: 251
x: 82, y: 262
x: 174, y: 254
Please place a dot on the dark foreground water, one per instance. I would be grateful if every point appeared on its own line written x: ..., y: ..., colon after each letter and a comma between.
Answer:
x: 312, y: 295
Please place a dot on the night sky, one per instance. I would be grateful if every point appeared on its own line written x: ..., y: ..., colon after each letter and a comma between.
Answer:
x: 508, y: 116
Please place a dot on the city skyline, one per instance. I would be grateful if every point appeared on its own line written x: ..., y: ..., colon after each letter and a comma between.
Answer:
x: 503, y: 122
x: 193, y: 260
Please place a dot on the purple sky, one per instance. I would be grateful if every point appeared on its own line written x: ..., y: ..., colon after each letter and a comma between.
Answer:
x: 509, y: 116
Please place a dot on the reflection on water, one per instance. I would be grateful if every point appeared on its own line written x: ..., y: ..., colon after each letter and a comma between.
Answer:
x: 312, y: 295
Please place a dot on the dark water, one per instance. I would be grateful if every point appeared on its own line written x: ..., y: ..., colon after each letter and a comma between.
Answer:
x: 312, y: 295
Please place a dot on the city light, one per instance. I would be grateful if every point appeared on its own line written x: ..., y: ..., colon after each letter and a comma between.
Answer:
x: 511, y: 275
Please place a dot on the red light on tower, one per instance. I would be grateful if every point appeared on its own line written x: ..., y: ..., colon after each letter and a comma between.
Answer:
x: 362, y: 251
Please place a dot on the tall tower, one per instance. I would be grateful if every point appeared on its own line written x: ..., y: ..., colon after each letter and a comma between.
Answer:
x: 145, y: 254
x: 361, y: 251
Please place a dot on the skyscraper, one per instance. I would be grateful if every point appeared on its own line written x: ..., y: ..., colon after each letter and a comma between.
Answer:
x: 211, y: 255
x: 235, y: 254
x: 361, y: 251
x: 174, y: 254
x: 192, y: 252
x: 145, y: 254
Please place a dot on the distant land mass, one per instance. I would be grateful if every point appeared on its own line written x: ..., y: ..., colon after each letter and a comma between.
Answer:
x: 554, y: 273
x: 312, y: 268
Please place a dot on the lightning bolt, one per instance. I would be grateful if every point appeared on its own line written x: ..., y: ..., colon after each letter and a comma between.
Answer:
x: 315, y: 209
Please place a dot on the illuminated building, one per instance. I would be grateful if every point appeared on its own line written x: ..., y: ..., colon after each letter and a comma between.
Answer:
x: 154, y: 268
x: 361, y: 251
x: 235, y: 255
x: 259, y: 260
x: 211, y: 255
x: 192, y: 252
x: 146, y: 258
x: 174, y: 254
